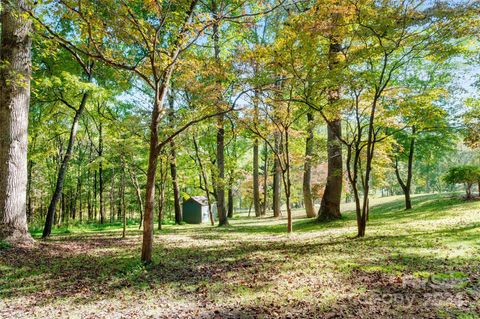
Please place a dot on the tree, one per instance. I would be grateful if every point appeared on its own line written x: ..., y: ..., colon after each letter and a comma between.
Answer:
x: 281, y: 115
x: 15, y: 63
x: 330, y: 205
x: 173, y: 168
x: 467, y: 175
x: 381, y: 39
x: 78, y: 111
x: 148, y: 60
x: 421, y: 94
x: 220, y: 153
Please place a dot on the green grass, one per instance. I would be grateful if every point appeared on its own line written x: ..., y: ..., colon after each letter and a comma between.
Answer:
x: 419, y: 263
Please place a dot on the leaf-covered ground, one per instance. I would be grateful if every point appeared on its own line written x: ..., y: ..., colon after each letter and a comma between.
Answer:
x: 424, y: 263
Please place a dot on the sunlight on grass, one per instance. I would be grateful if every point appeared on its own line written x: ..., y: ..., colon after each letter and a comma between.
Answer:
x: 202, y: 268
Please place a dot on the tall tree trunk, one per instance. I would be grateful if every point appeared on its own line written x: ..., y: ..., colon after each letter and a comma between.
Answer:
x: 100, y: 173
x: 161, y: 89
x: 362, y: 223
x: 411, y: 153
x: 307, y: 169
x: 220, y: 154
x: 287, y: 181
x: 112, y: 194
x: 89, y: 197
x: 330, y: 205
x: 75, y: 199
x: 265, y: 179
x: 147, y: 242
x: 230, y: 201
x: 29, y: 190
x: 15, y: 73
x: 121, y: 206
x: 161, y: 197
x: 95, y: 196
x: 89, y: 188
x: 256, y: 182
x: 277, y: 177
x: 120, y: 191
x: 63, y: 214
x: 407, y: 185
x: 63, y: 167
x: 173, y: 169
x: 80, y: 199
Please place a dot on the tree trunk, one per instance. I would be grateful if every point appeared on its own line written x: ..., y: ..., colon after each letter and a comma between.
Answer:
x: 77, y: 195
x: 469, y: 190
x: 161, y: 196
x: 63, y: 168
x: 160, y: 93
x: 161, y: 191
x: 14, y: 101
x: 80, y: 199
x: 287, y: 182
x: 112, y: 194
x: 368, y: 167
x: 120, y: 195
x: 29, y: 190
x: 265, y: 180
x: 330, y: 205
x: 230, y: 202
x: 150, y: 191
x: 220, y: 154
x: 95, y: 196
x: 220, y: 158
x: 256, y: 182
x: 100, y: 173
x: 63, y: 210
x: 408, y: 189
x: 173, y: 167
x: 277, y: 177
x: 307, y: 169
x: 89, y: 197
x: 406, y: 186
x: 121, y: 207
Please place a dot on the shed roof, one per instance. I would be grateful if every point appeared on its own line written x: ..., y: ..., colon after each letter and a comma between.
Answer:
x: 202, y: 200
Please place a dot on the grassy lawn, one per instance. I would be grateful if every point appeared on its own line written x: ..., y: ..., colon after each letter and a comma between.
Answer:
x: 424, y: 263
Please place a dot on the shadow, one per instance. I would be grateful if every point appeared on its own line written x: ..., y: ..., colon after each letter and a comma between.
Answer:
x: 318, y: 276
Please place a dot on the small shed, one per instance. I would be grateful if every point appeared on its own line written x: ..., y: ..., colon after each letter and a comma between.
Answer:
x: 195, y: 210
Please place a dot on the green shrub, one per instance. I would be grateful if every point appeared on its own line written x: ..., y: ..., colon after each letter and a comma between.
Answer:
x: 467, y: 175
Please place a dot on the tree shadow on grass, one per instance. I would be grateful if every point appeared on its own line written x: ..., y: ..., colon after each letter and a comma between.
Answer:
x: 107, y: 262
x: 93, y: 266
x: 425, y: 207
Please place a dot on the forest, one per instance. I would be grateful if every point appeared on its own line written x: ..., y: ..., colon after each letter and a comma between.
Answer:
x: 240, y: 159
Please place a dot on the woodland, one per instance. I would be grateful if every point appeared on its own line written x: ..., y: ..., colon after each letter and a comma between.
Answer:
x: 333, y: 146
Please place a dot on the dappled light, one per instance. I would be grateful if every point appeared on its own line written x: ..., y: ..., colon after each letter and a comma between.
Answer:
x: 239, y: 159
